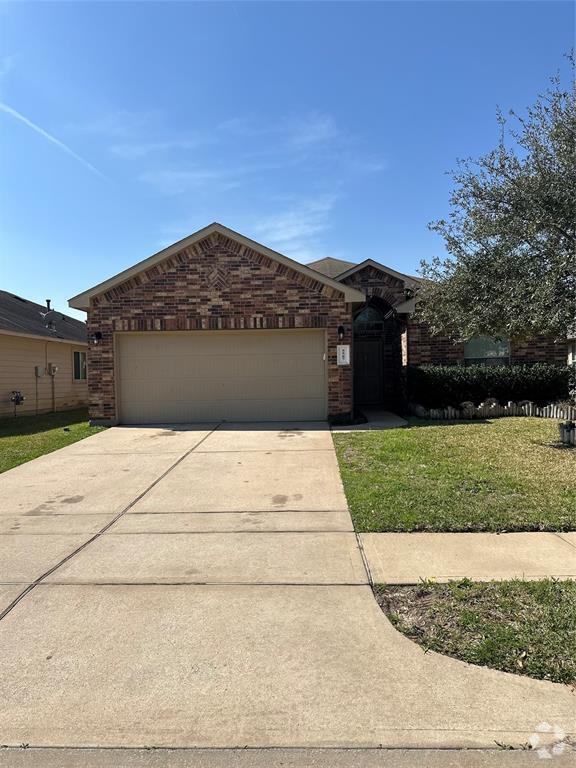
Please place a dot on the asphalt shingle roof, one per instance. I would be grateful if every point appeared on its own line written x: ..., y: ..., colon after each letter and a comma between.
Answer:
x: 330, y: 267
x: 22, y: 316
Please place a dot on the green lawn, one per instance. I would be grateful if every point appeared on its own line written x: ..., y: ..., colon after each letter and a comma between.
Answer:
x: 525, y: 627
x: 26, y: 437
x: 505, y: 475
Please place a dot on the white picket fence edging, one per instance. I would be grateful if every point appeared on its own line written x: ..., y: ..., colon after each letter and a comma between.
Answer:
x: 492, y: 410
x: 568, y: 433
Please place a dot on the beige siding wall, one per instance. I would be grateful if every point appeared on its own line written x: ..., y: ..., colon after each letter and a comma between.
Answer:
x: 18, y: 358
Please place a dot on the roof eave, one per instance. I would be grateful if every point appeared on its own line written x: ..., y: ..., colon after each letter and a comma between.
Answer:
x: 409, y: 281
x: 41, y: 337
x: 82, y: 300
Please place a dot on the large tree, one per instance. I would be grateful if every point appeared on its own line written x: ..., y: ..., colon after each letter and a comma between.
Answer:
x: 511, y: 231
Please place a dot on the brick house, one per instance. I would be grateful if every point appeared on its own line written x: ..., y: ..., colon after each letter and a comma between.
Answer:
x: 218, y: 326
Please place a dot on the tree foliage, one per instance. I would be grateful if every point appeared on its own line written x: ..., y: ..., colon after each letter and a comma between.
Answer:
x: 511, y: 231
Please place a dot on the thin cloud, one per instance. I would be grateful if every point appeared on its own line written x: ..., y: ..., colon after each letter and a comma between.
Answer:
x: 171, y: 182
x: 175, y: 182
x: 293, y: 132
x: 305, y: 219
x: 296, y: 231
x: 142, y: 149
x: 313, y: 129
x: 121, y: 124
x: 48, y: 136
x: 6, y: 65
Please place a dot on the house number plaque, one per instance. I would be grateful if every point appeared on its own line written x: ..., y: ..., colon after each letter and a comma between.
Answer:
x: 343, y: 354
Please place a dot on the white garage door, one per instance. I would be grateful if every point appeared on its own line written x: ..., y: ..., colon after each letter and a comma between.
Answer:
x: 212, y: 375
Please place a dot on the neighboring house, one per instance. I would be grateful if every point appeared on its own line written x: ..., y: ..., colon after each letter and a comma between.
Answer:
x: 218, y: 326
x: 43, y: 355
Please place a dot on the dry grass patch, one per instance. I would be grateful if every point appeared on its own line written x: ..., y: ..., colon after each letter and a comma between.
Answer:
x: 524, y: 627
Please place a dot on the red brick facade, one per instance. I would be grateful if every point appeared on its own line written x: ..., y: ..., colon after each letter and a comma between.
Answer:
x: 215, y: 284
x: 424, y: 348
x: 375, y: 282
x: 390, y: 292
x: 540, y: 350
x: 220, y: 283
x: 420, y: 347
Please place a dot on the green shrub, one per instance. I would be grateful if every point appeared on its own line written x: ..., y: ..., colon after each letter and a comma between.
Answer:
x: 436, y: 386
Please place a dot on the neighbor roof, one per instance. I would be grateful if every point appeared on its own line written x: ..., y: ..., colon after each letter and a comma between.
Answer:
x: 18, y: 315
x: 82, y: 300
x: 329, y: 266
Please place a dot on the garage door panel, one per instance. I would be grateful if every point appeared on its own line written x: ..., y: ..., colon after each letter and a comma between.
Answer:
x: 226, y: 389
x: 255, y: 342
x: 241, y: 410
x: 207, y: 376
x: 210, y: 367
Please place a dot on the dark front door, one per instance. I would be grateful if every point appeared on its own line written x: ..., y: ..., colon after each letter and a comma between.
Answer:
x: 368, y: 371
x: 377, y: 356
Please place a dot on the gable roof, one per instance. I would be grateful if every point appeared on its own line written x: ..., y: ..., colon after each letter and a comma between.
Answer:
x: 82, y: 300
x: 21, y: 316
x: 329, y: 266
x: 408, y: 279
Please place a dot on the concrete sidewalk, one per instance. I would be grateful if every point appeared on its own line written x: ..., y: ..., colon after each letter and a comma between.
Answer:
x: 407, y: 558
x: 277, y: 758
x: 204, y: 588
x: 377, y: 420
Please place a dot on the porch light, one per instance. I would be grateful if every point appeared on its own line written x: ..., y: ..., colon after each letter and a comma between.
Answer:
x: 341, y: 332
x: 97, y: 337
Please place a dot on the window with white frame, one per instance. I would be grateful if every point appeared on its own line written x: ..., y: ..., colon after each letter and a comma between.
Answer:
x: 79, y: 365
x: 485, y: 350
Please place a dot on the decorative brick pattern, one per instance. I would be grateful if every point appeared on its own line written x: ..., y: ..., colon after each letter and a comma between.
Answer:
x: 221, y: 284
x: 218, y: 278
x: 217, y: 284
x: 375, y: 282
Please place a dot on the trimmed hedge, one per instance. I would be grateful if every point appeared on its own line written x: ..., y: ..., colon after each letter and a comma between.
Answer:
x: 436, y: 386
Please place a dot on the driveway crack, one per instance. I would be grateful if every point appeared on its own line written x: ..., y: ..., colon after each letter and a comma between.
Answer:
x: 106, y: 527
x: 559, y: 535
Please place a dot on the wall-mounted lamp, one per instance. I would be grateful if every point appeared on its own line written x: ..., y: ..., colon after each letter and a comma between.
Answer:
x: 96, y: 337
x: 341, y: 332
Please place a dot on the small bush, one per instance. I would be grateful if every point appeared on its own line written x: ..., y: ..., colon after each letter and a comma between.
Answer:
x: 436, y: 386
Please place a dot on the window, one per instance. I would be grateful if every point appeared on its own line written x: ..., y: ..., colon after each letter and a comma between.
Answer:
x: 484, y: 350
x: 79, y: 366
x: 370, y: 318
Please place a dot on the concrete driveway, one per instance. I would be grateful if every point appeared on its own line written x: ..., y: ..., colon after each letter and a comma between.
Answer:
x: 203, y: 587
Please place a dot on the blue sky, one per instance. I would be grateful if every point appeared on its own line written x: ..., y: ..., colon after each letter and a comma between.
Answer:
x: 319, y: 129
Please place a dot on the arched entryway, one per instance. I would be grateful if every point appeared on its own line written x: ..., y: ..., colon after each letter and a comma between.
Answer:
x: 377, y: 356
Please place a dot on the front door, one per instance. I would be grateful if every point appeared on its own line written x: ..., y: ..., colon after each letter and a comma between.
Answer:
x: 377, y: 356
x: 368, y: 371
